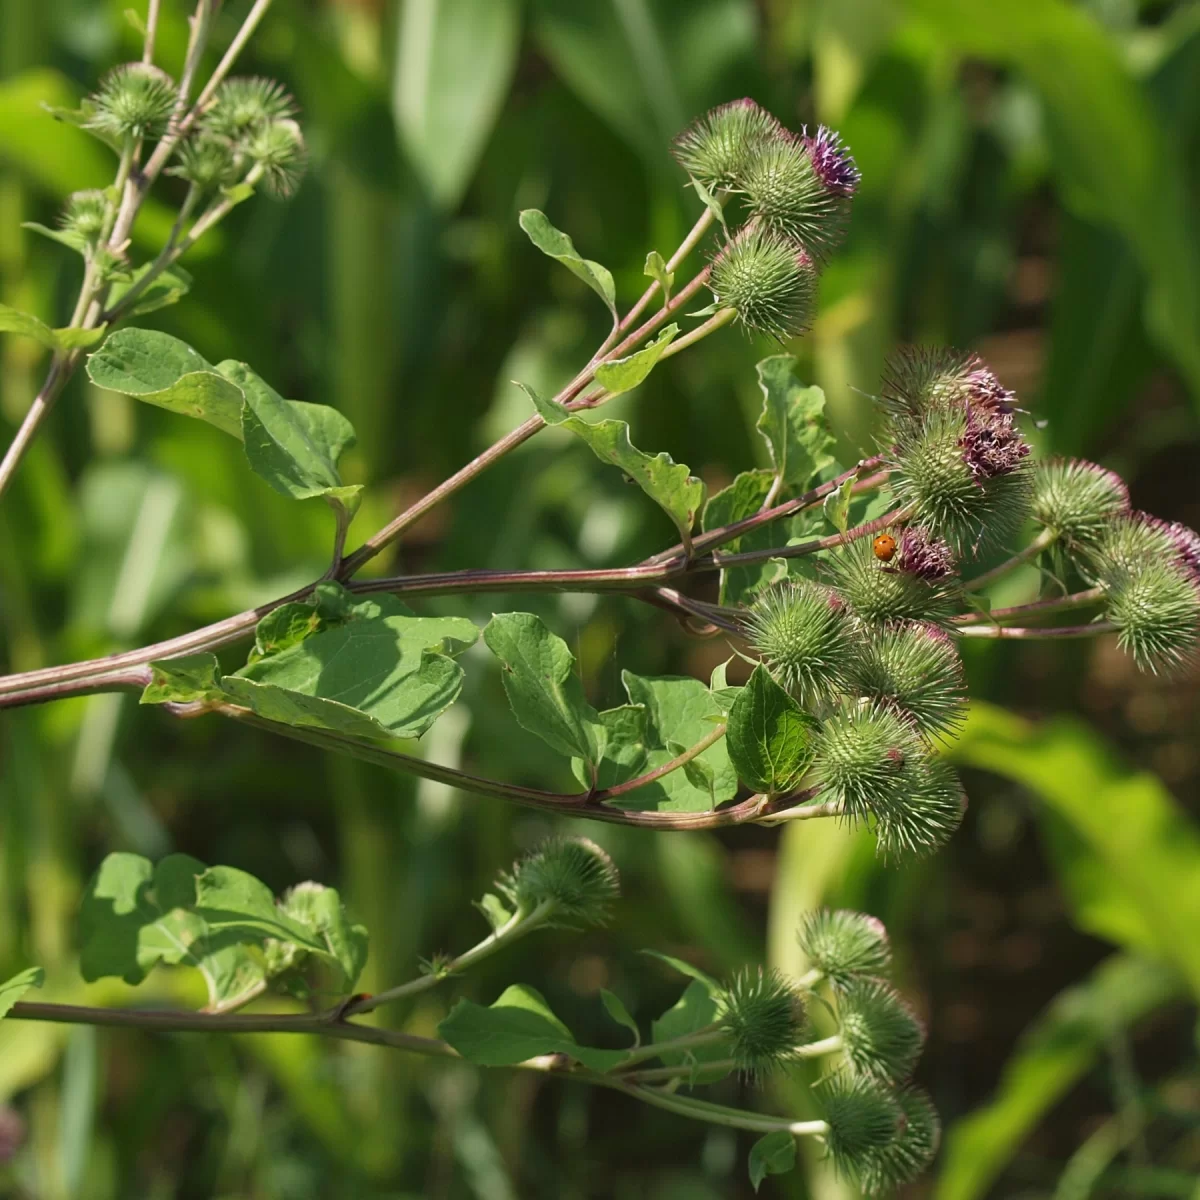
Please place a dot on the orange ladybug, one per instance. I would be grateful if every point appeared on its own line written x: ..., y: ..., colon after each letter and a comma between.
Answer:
x: 884, y: 547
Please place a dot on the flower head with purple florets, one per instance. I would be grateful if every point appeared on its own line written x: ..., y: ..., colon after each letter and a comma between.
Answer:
x: 924, y: 554
x: 832, y: 162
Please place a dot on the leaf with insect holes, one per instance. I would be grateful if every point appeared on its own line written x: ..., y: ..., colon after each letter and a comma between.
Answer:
x: 557, y: 245
x: 770, y: 736
x: 793, y: 423
x: 543, y: 689
x: 656, y: 269
x: 774, y: 1154
x: 13, y: 320
x: 11, y: 990
x: 517, y: 1027
x: 624, y: 374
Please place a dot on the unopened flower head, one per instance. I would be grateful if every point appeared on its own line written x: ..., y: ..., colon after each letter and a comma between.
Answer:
x: 908, y: 1153
x: 1155, y: 606
x: 881, y: 1035
x: 85, y: 214
x: 571, y: 875
x: 932, y: 809
x: 763, y: 1012
x: 880, y: 592
x: 1077, y: 500
x: 844, y: 945
x: 718, y: 147
x: 863, y: 1118
x: 277, y: 149
x: 243, y: 104
x: 770, y: 280
x: 134, y: 101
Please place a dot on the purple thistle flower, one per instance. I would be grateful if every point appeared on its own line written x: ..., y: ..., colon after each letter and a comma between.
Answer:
x: 991, y: 443
x: 832, y: 162
x: 924, y: 554
x: 1184, y: 540
x: 984, y: 388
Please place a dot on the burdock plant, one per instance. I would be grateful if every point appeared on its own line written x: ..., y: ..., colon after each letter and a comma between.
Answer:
x: 848, y: 588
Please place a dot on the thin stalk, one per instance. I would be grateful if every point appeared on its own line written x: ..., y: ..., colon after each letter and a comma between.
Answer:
x: 680, y: 760
x: 32, y: 421
x: 714, y: 1114
x: 1044, y: 539
x: 1013, y: 631
x: 243, y: 35
x: 151, y: 31
x: 718, y: 320
x: 829, y: 1045
x: 519, y: 924
x: 1037, y: 608
x: 808, y: 812
x: 708, y: 1036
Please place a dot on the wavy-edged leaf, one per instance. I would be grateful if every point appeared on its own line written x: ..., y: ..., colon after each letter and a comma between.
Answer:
x: 11, y: 990
x: 557, y: 245
x: 624, y: 374
x: 518, y: 1026
x: 774, y: 1154
x: 539, y: 677
x: 793, y: 423
x: 770, y: 736
x: 184, y: 680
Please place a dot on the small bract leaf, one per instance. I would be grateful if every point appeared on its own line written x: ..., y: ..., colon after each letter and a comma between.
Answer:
x: 793, y: 423
x: 11, y: 990
x: 13, y: 320
x: 774, y: 1154
x: 66, y: 237
x: 184, y: 680
x: 770, y: 736
x: 167, y: 288
x: 615, y: 1007
x: 837, y: 506
x: 624, y: 374
x: 656, y: 269
x: 542, y: 687
x: 517, y: 1027
x: 557, y: 245
x: 550, y: 411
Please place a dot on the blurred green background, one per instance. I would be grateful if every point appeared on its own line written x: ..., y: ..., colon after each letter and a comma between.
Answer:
x: 1031, y: 189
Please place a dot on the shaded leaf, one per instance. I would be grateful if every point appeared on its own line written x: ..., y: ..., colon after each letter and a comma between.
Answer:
x: 770, y: 736
x: 615, y: 1007
x: 656, y: 269
x: 793, y: 423
x: 542, y: 687
x: 184, y: 680
x: 774, y: 1154
x: 695, y: 1010
x: 518, y: 1026
x: 557, y: 245
x: 621, y: 743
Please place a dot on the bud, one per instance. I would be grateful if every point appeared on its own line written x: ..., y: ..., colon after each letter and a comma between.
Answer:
x: 134, y: 101
x: 883, y: 592
x: 844, y: 945
x: 787, y: 195
x: 910, y: 1150
x: 913, y: 669
x: 85, y: 215
x: 572, y: 875
x: 208, y: 161
x: 243, y: 104
x: 1077, y: 500
x: 881, y: 1036
x: 770, y: 280
x: 802, y: 632
x: 278, y: 150
x: 1137, y: 539
x: 763, y: 1012
x: 927, y: 814
x: 920, y: 379
x: 718, y: 147
x: 863, y: 1118
x: 1156, y: 609
x: 864, y: 756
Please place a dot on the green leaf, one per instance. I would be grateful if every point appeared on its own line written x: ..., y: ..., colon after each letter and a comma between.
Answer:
x: 517, y: 1027
x: 184, y: 680
x: 695, y: 1010
x: 837, y: 506
x: 494, y: 910
x: 284, y: 627
x: 11, y: 990
x: 542, y: 687
x: 711, y: 987
x: 713, y: 205
x: 169, y: 287
x: 557, y: 245
x: 1055, y: 1052
x: 12, y: 320
x: 293, y: 446
x: 656, y: 269
x: 134, y: 916
x: 624, y: 374
x: 166, y: 372
x: 774, y: 1154
x: 454, y: 62
x: 668, y: 483
x: 1132, y: 856
x: 615, y: 1007
x: 793, y: 423
x: 380, y: 673
x: 680, y: 712
x: 319, y: 910
x: 770, y: 736
x: 65, y: 237
x: 621, y: 743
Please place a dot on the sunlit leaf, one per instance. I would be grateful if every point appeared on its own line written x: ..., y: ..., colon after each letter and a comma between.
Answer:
x: 624, y: 374
x: 11, y: 990
x: 770, y: 736
x: 793, y: 423
x: 557, y: 245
